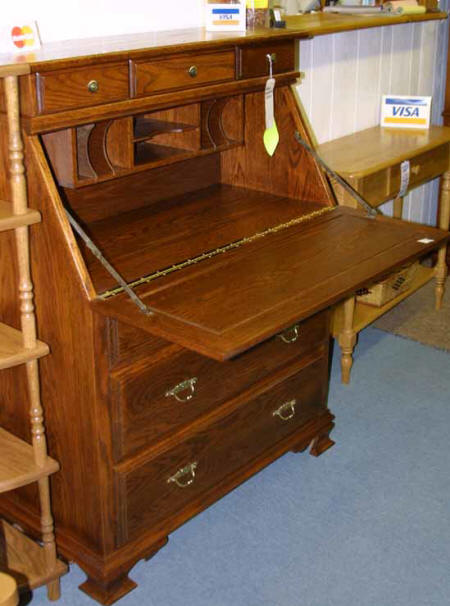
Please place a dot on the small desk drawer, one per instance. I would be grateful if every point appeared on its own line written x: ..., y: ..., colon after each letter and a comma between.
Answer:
x: 385, y: 184
x: 423, y: 167
x: 153, y: 400
x: 253, y: 62
x: 162, y: 487
x: 81, y: 87
x: 182, y: 71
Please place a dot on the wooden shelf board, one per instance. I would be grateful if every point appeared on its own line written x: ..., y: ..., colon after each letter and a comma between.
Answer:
x: 8, y: 220
x: 24, y: 559
x: 366, y: 314
x: 154, y: 154
x: 17, y: 463
x: 146, y: 128
x: 12, y: 351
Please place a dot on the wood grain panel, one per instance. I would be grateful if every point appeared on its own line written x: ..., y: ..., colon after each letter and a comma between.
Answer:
x: 99, y: 201
x: 183, y: 227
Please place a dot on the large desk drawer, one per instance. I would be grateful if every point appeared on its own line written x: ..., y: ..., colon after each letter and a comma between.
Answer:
x: 166, y: 485
x: 81, y: 87
x: 153, y: 400
x: 182, y: 71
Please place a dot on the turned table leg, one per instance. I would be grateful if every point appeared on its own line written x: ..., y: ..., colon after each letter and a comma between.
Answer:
x: 398, y: 207
x: 443, y: 223
x: 347, y: 339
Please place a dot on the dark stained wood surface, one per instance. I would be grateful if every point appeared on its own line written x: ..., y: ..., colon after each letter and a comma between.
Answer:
x: 142, y: 241
x: 143, y: 413
x: 219, y: 449
x: 259, y: 289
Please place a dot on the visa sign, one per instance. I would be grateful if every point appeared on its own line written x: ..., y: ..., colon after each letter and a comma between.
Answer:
x: 405, y: 112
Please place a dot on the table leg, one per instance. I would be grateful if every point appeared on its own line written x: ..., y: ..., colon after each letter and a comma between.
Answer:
x: 347, y: 339
x: 443, y: 223
x: 398, y: 207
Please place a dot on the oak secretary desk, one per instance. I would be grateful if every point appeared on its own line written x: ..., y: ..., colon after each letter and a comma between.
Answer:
x: 157, y: 408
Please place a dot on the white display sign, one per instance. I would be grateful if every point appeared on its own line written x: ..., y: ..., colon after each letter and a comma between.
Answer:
x: 404, y: 111
x: 225, y: 17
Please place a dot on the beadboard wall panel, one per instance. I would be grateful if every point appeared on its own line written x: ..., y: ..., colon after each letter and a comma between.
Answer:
x: 346, y: 74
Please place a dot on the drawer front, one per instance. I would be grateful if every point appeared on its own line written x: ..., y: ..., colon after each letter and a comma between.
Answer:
x: 252, y: 60
x: 423, y: 167
x: 385, y: 184
x: 81, y: 87
x: 169, y: 483
x: 182, y: 71
x: 152, y: 400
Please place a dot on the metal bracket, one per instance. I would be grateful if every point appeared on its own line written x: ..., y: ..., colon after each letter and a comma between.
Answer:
x: 107, y: 265
x: 371, y: 211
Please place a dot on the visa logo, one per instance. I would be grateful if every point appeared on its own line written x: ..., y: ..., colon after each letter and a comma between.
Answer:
x: 406, y: 111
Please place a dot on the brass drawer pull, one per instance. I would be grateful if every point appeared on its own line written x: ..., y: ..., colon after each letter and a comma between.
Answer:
x: 188, y: 385
x: 93, y: 86
x: 290, y: 335
x: 286, y: 411
x: 189, y: 470
x: 193, y: 71
x: 415, y: 169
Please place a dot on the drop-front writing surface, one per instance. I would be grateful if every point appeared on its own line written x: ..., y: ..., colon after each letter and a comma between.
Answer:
x: 237, y: 255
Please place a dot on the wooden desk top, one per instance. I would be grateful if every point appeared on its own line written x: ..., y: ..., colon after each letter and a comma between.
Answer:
x: 98, y: 50
x: 374, y: 149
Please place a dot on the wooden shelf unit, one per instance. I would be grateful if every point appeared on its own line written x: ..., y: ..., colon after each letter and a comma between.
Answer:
x: 12, y: 350
x: 8, y: 220
x: 24, y: 559
x: 18, y: 465
x: 21, y: 463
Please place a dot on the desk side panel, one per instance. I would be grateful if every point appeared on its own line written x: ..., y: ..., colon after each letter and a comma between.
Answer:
x: 291, y: 171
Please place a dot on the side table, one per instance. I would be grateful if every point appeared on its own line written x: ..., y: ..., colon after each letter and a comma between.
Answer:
x: 370, y: 160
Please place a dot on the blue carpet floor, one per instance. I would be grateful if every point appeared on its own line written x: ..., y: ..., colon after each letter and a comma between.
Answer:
x: 366, y: 524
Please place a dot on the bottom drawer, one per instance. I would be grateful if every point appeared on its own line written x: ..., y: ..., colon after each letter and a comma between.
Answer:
x: 152, y: 493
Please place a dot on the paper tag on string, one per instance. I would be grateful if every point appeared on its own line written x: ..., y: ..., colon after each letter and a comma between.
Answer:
x: 271, y: 136
x: 404, y: 178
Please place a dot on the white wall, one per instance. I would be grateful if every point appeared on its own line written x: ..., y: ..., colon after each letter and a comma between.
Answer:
x: 346, y: 74
x: 71, y: 19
